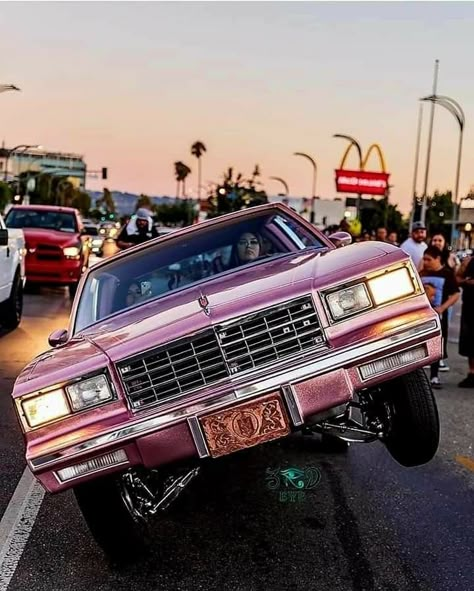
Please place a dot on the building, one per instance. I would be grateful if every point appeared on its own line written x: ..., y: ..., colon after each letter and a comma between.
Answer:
x: 35, y: 161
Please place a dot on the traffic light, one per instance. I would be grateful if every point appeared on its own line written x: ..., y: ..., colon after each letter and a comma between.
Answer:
x: 104, y: 174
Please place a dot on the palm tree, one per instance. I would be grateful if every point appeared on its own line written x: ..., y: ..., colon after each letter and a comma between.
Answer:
x: 198, y: 149
x: 181, y: 171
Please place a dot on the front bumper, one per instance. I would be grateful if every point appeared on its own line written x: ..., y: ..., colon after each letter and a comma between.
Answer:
x: 60, y: 272
x: 308, y: 390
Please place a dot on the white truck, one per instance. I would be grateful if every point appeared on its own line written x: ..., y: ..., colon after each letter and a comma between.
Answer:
x: 12, y: 275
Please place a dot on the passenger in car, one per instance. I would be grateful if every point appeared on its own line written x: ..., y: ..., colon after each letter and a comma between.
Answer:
x: 246, y: 249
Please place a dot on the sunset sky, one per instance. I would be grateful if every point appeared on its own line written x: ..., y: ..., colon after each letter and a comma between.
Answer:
x: 132, y: 85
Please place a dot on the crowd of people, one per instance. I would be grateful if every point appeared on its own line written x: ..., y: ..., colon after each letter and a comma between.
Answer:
x: 446, y: 279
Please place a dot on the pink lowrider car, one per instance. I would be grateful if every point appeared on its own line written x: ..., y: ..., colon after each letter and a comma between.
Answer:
x: 218, y: 337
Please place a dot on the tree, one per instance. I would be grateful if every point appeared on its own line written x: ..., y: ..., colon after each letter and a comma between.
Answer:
x: 106, y: 202
x: 6, y: 195
x: 198, y: 149
x: 145, y: 202
x: 376, y: 213
x: 235, y: 193
x: 181, y: 171
x: 82, y: 202
x: 439, y: 211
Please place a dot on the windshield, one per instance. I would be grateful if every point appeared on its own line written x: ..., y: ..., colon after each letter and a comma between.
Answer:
x: 44, y: 219
x: 189, y: 259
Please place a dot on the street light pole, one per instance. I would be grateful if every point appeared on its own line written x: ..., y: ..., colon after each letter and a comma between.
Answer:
x: 313, y: 196
x: 456, y: 111
x: 417, y: 159
x: 284, y: 183
x: 428, y: 155
x: 7, y: 87
x: 355, y: 143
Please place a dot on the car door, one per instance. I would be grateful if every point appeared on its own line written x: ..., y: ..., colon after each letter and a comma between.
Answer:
x: 5, y: 265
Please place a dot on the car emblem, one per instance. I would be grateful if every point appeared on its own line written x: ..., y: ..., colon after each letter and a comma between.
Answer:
x: 204, y: 303
x: 32, y: 250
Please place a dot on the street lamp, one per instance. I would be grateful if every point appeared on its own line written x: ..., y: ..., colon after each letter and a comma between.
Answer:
x: 355, y: 143
x: 456, y: 111
x: 284, y: 183
x: 20, y: 147
x: 313, y: 196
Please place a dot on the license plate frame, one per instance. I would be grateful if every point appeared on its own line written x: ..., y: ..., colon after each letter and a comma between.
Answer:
x: 245, y: 425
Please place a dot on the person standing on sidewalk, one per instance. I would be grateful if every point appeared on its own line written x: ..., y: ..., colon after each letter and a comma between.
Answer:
x: 465, y: 278
x: 415, y: 245
x: 442, y: 286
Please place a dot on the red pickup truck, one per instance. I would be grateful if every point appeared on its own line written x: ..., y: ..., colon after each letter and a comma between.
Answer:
x: 56, y: 250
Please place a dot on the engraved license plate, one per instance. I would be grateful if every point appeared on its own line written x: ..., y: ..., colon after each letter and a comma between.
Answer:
x: 245, y: 425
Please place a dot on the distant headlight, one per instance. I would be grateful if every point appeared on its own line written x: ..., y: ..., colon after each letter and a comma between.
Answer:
x: 45, y: 408
x: 89, y: 392
x: 97, y: 241
x: 72, y: 251
x: 349, y: 300
x: 393, y: 285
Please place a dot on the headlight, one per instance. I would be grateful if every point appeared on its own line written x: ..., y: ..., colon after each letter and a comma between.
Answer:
x: 393, y: 285
x: 45, y: 408
x: 89, y: 392
x: 347, y: 301
x: 71, y: 251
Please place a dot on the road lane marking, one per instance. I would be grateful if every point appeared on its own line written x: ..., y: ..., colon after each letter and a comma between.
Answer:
x: 466, y: 462
x: 17, y: 523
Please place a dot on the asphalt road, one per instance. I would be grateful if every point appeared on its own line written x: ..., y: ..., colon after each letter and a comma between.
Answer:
x: 368, y: 525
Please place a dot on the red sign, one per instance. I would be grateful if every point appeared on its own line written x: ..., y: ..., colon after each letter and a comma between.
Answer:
x: 361, y: 182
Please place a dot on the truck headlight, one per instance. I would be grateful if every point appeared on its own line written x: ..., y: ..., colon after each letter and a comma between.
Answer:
x: 72, y: 251
x: 349, y: 300
x: 89, y: 392
x: 46, y: 407
x: 391, y: 286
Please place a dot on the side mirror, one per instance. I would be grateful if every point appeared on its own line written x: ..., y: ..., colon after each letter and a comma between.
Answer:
x: 58, y: 337
x: 3, y: 237
x: 340, y: 239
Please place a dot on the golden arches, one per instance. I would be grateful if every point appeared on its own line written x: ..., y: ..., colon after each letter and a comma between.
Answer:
x: 367, y: 156
x: 381, y: 158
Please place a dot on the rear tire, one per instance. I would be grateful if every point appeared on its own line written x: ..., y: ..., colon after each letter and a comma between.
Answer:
x: 11, y: 311
x: 410, y: 412
x: 122, y: 536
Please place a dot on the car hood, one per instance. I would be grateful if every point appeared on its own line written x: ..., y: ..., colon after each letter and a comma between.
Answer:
x: 230, y: 295
x: 75, y: 359
x: 35, y: 236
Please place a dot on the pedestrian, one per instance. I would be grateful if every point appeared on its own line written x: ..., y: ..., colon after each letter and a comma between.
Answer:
x: 416, y: 245
x: 393, y: 238
x: 443, y: 292
x: 381, y: 234
x: 448, y: 258
x: 138, y: 230
x: 465, y: 278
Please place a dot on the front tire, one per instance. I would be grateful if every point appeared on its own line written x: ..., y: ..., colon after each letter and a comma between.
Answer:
x: 411, y: 415
x: 12, y: 310
x: 121, y: 535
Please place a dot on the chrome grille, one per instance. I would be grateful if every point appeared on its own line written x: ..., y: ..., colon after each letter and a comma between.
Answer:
x: 270, y: 335
x: 165, y: 373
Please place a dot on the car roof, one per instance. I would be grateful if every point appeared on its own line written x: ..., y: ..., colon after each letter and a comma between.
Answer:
x: 46, y: 208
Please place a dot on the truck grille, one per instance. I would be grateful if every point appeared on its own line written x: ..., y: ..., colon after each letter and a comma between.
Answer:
x: 47, y: 252
x: 168, y: 372
x: 270, y: 335
x: 211, y: 356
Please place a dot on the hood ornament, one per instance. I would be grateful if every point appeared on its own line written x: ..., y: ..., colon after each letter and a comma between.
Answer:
x: 204, y: 303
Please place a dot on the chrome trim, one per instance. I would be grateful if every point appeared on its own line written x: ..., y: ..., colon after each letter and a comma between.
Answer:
x: 292, y: 404
x: 198, y: 437
x: 333, y: 361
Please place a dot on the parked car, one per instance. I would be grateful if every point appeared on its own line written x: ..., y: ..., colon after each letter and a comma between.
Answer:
x: 57, y: 252
x: 152, y: 376
x: 12, y: 275
x: 95, y: 241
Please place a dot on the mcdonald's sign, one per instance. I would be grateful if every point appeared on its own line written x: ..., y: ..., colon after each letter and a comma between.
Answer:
x: 362, y: 182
